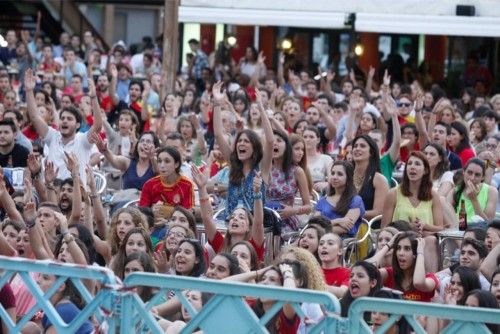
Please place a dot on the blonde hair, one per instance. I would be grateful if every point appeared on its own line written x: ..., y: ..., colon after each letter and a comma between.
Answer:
x: 315, y: 278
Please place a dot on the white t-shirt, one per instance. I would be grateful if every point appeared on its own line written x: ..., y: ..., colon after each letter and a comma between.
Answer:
x: 80, y: 146
x: 320, y: 167
x: 446, y: 177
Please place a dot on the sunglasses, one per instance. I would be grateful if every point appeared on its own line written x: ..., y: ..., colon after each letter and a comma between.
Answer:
x: 407, y: 105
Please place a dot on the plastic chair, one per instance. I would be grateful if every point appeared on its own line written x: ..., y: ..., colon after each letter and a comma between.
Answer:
x: 358, y: 247
x: 394, y: 183
x: 305, y: 217
x: 131, y: 203
x: 100, y: 181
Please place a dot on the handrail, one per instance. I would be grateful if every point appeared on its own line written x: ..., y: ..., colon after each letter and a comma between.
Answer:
x: 119, y: 307
x: 229, y: 303
x: 472, y: 318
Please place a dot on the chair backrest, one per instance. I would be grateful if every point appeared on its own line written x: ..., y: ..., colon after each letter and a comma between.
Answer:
x: 358, y: 248
x: 134, y: 202
x: 100, y: 182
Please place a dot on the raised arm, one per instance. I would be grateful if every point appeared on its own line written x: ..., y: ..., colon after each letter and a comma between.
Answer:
x: 50, y: 174
x: 267, y: 159
x: 331, y: 128
x: 205, y: 206
x: 423, y: 137
x: 389, y: 206
x: 355, y: 110
x: 35, y: 169
x: 219, y: 100
x: 369, y: 81
x: 392, y: 109
x: 96, y: 109
x: 281, y: 72
x: 380, y: 254
x: 36, y: 233
x: 288, y: 282
x: 419, y: 280
x: 119, y: 162
x: 36, y: 119
x: 7, y: 202
x: 112, y: 85
x: 76, y: 209
x: 258, y: 211
x: 202, y: 146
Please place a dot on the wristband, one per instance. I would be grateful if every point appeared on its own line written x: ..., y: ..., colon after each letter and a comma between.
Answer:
x: 30, y: 223
x: 257, y: 196
x: 93, y: 196
x: 420, y: 253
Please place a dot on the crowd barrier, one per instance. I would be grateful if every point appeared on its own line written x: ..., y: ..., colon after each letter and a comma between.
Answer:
x: 117, y: 308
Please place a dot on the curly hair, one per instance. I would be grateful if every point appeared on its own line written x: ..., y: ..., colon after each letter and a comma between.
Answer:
x: 138, y: 219
x: 315, y: 277
x: 118, y: 264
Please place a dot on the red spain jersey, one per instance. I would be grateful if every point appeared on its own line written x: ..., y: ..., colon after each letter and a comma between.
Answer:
x: 179, y: 193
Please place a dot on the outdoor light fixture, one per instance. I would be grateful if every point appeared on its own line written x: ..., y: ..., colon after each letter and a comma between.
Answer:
x: 231, y: 40
x: 359, y: 49
x: 286, y: 44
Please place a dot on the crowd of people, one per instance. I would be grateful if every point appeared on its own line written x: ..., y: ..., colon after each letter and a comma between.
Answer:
x: 237, y: 150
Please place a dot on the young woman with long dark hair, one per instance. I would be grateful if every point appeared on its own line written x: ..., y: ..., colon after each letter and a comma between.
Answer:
x: 480, y: 199
x: 342, y: 205
x: 459, y: 142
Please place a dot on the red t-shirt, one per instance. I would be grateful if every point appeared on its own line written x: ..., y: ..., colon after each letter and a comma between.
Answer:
x: 218, y: 242
x: 337, y: 277
x: 414, y: 294
x: 105, y: 102
x: 287, y: 326
x: 31, y: 133
x: 179, y: 193
x: 466, y: 155
x: 7, y: 299
x: 404, y: 152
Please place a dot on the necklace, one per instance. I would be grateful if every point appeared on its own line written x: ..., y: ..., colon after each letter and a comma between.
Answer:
x: 358, y: 181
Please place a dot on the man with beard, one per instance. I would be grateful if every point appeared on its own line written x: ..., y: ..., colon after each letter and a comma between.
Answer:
x: 65, y: 197
x: 106, y: 93
x: 67, y: 139
x: 11, y: 153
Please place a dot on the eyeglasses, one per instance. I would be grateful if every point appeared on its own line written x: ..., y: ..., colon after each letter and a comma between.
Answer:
x: 177, y: 235
x: 491, y: 146
x: 407, y: 105
x: 146, y: 141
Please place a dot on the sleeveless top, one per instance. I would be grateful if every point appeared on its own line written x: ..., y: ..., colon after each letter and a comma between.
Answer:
x: 282, y: 188
x: 404, y: 210
x: 367, y: 193
x: 242, y: 194
x: 132, y: 180
x: 482, y: 198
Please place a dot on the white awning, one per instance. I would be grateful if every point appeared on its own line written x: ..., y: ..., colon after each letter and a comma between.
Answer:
x: 429, y: 25
x: 258, y: 17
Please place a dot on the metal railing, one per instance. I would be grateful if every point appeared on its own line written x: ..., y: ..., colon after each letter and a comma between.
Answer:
x: 119, y: 307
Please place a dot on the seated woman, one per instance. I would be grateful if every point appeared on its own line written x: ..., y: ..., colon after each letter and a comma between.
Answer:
x: 136, y: 240
x: 286, y: 179
x: 189, y: 128
x: 139, y: 262
x: 138, y: 168
x: 165, y: 251
x: 479, y: 198
x: 415, y: 201
x: 241, y: 226
x: 309, y: 238
x: 169, y: 188
x: 442, y: 178
x: 319, y: 164
x: 407, y: 273
x: 342, y: 205
x: 481, y: 298
x: 370, y: 184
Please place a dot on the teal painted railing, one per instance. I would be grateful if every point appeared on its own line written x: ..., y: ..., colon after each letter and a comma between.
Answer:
x: 118, y: 307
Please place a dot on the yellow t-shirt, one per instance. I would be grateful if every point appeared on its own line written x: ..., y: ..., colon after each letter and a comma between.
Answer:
x: 406, y: 211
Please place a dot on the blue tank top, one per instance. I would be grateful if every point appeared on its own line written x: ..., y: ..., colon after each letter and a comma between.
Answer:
x: 132, y: 180
x: 242, y: 194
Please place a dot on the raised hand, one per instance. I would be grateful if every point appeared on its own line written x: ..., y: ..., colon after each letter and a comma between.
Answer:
x: 371, y: 72
x: 387, y: 79
x: 50, y: 172
x: 198, y: 177
x: 29, y: 80
x: 71, y: 162
x: 29, y: 212
x: 261, y: 58
x: 113, y: 71
x: 419, y: 102
x: 217, y: 92
x: 92, y: 90
x: 90, y: 179
x: 160, y: 259
x: 34, y: 165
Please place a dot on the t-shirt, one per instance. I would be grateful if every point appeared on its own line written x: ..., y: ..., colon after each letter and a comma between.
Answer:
x: 68, y: 311
x: 455, y: 162
x: 413, y: 294
x: 7, y: 299
x: 465, y: 155
x: 18, y: 157
x: 387, y: 167
x: 337, y: 277
x: 218, y: 242
x: 326, y: 209
x: 179, y: 193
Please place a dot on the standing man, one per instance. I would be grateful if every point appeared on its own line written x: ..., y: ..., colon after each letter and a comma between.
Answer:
x: 67, y: 139
x: 200, y: 62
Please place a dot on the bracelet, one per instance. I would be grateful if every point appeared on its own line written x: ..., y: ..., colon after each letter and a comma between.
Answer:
x: 204, y: 199
x: 93, y: 196
x: 257, y: 196
x: 420, y: 253
x: 30, y: 223
x: 288, y: 276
